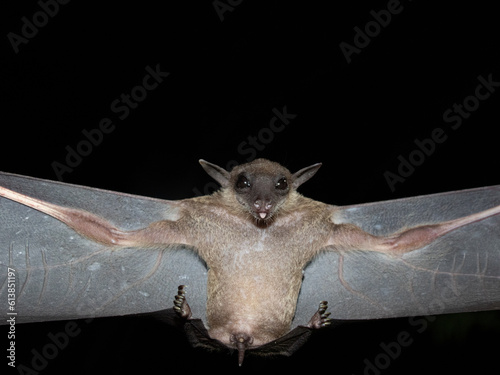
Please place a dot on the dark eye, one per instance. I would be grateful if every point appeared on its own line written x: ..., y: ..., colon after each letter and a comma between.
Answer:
x: 282, y: 184
x: 242, y: 182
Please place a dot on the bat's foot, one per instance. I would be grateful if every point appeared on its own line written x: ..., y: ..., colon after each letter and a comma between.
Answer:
x: 181, y: 307
x: 321, y: 318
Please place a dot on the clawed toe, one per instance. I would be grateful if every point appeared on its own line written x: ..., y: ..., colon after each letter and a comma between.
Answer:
x: 321, y: 318
x: 181, y: 307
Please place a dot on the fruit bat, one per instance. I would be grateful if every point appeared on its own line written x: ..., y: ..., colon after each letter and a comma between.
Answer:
x: 260, y: 260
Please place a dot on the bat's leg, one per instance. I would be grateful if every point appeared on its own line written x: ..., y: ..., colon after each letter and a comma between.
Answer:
x: 181, y: 306
x: 321, y: 318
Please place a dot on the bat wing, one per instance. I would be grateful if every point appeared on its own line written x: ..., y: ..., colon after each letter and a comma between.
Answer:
x: 61, y: 275
x: 458, y: 272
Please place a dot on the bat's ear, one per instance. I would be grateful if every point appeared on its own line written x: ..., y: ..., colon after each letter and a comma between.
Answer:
x: 304, y: 174
x: 217, y: 173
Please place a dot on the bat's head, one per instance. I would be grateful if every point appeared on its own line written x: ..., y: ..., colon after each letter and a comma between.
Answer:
x: 261, y: 187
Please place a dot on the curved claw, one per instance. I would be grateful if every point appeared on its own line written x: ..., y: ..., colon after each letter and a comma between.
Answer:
x: 323, y: 305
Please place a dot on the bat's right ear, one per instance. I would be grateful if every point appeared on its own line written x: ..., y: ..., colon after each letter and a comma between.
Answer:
x: 304, y: 174
x: 217, y: 173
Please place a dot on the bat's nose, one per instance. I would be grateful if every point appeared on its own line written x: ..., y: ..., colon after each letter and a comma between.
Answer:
x: 260, y: 204
x: 263, y: 207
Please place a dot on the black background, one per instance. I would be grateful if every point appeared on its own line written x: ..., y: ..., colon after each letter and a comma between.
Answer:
x: 226, y: 76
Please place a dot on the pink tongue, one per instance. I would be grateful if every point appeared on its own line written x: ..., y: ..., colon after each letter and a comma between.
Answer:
x: 262, y: 215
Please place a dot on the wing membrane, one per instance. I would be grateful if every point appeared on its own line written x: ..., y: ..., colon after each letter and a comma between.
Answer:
x: 61, y: 275
x: 459, y: 272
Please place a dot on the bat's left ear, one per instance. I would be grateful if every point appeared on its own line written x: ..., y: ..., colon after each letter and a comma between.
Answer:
x: 217, y: 173
x: 304, y: 174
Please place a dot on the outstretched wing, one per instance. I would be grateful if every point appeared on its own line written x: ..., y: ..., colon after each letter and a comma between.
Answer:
x: 61, y: 275
x: 458, y: 272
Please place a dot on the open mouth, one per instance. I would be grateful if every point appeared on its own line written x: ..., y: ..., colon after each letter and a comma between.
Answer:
x: 262, y: 215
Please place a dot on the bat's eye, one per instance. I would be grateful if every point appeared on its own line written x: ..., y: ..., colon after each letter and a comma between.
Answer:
x: 282, y: 184
x: 242, y: 182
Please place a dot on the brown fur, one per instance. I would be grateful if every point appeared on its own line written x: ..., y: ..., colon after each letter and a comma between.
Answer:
x: 255, y: 255
x: 254, y: 273
x: 255, y: 269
